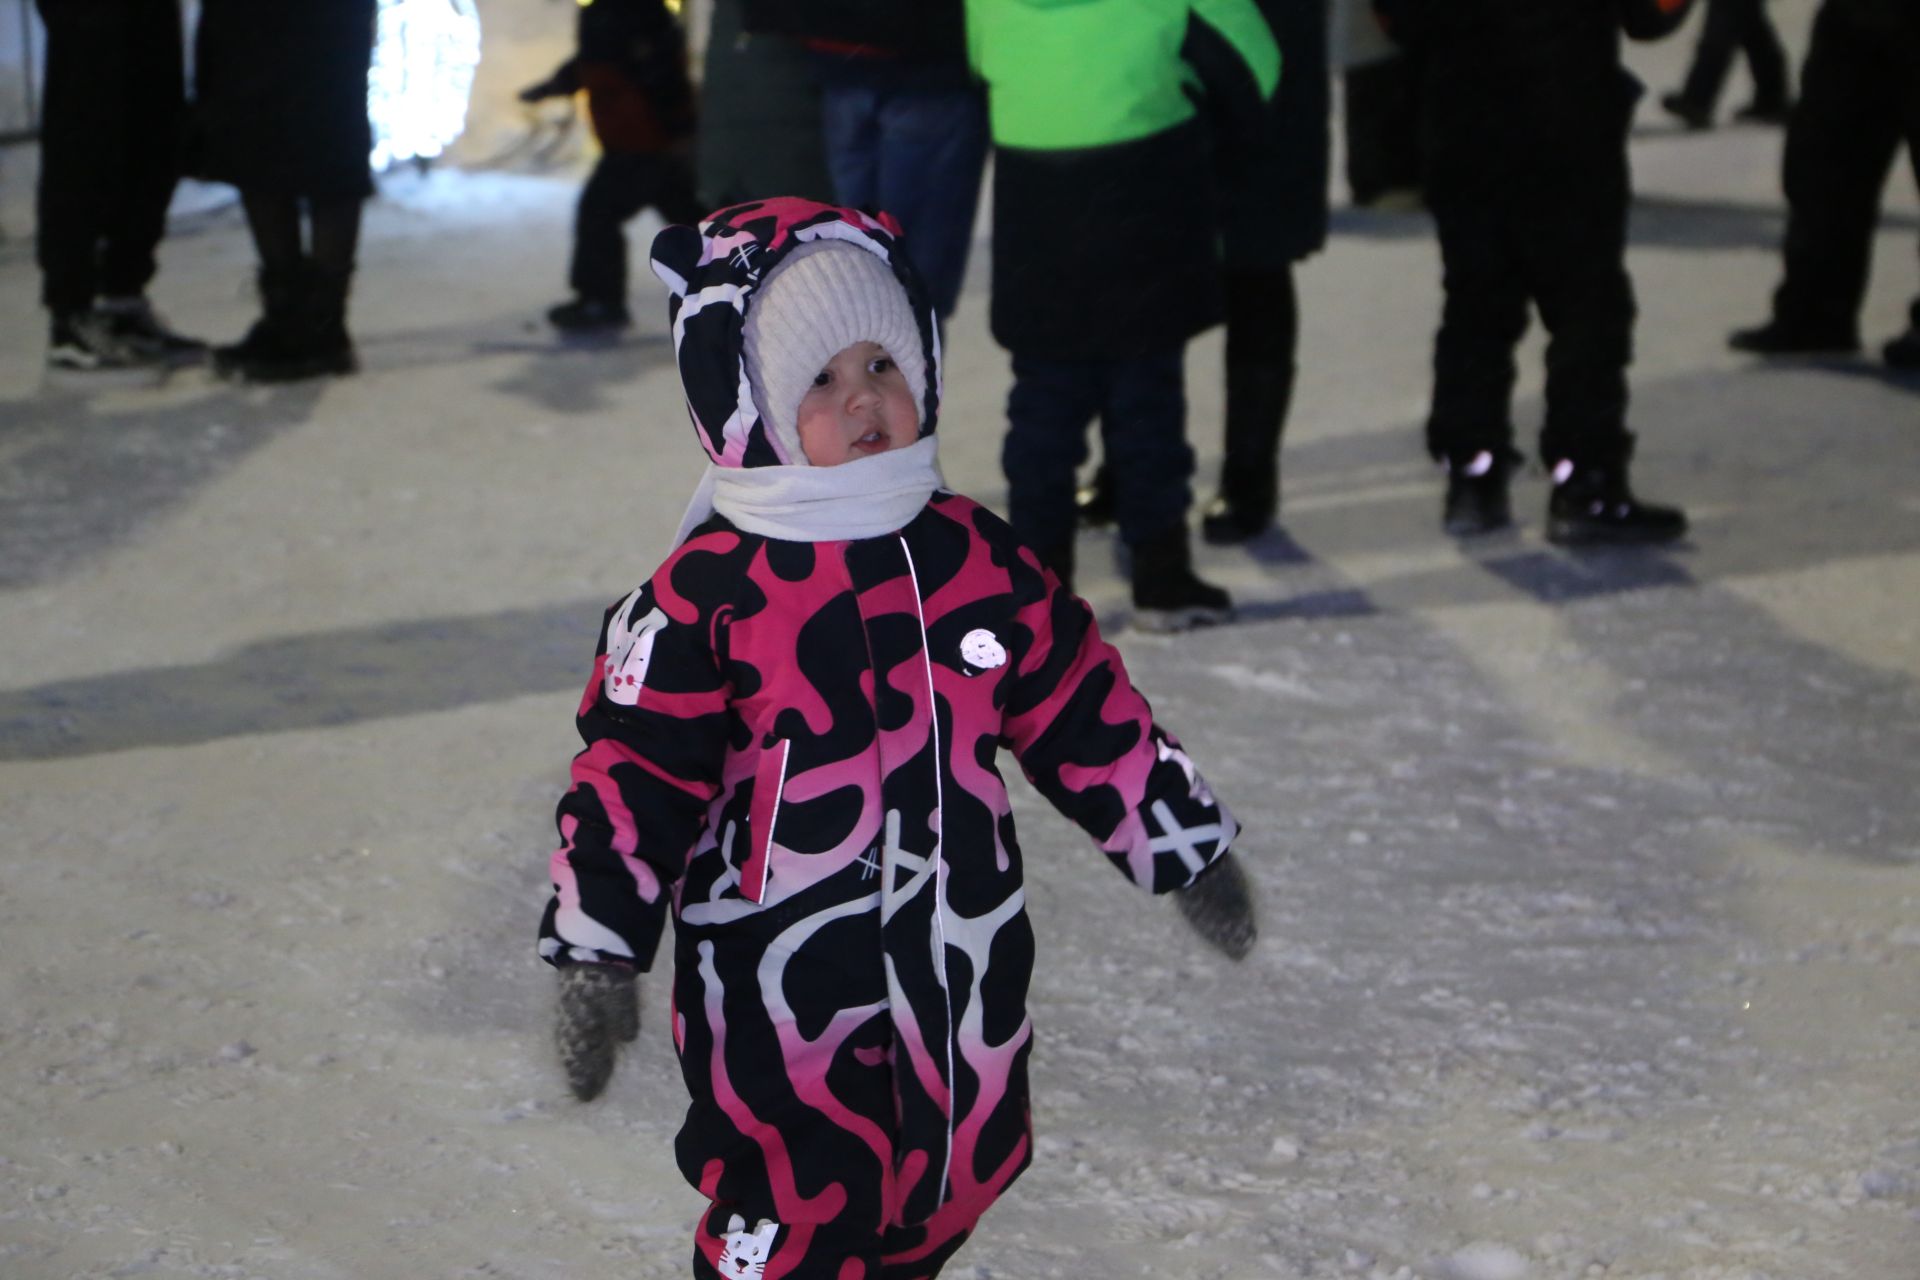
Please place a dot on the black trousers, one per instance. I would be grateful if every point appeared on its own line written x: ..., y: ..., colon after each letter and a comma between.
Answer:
x: 620, y: 186
x: 1535, y: 219
x: 111, y: 128
x: 1859, y: 99
x: 1743, y: 26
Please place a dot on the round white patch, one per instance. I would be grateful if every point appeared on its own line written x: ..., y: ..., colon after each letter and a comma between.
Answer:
x: 981, y: 648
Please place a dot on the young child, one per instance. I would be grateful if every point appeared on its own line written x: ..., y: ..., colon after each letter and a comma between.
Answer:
x: 632, y: 62
x: 790, y: 738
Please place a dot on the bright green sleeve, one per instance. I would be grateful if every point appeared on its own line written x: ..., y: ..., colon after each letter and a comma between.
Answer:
x: 1246, y: 29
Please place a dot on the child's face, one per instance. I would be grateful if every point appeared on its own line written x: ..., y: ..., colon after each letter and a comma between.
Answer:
x: 859, y: 405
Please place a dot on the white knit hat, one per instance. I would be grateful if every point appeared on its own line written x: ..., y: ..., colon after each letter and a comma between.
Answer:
x: 820, y: 299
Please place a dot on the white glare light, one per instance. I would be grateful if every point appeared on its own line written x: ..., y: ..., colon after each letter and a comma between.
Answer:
x: 424, y: 57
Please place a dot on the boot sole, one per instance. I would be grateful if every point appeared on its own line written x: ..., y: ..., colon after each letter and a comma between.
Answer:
x: 1566, y: 534
x: 1168, y: 621
x: 1459, y: 528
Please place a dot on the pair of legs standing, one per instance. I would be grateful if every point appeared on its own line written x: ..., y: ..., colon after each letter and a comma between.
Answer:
x: 1734, y: 26
x: 307, y: 247
x: 1522, y: 223
x: 1141, y: 405
x: 111, y: 122
x: 1859, y: 101
x: 621, y: 185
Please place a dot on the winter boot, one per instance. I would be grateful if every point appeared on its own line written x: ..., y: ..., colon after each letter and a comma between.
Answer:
x: 1903, y: 352
x: 1166, y: 594
x: 83, y: 350
x: 302, y: 333
x: 1693, y: 115
x: 1591, y: 505
x: 589, y: 317
x: 1249, y: 494
x: 1768, y: 111
x: 137, y: 324
x: 1477, y: 494
x: 1093, y: 501
x: 1782, y: 337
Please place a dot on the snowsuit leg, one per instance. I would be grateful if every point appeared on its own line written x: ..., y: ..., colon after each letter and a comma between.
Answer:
x: 1841, y: 143
x: 1741, y: 25
x: 1527, y: 213
x: 621, y: 185
x: 110, y: 146
x: 792, y: 1131
x: 1141, y: 404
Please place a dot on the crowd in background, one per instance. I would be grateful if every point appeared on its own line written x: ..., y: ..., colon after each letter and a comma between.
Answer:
x: 1159, y: 168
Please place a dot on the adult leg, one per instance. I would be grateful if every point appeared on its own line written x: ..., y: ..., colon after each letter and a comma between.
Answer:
x: 1143, y: 429
x: 616, y: 191
x: 85, y: 116
x: 1719, y: 37
x: 933, y: 150
x: 153, y: 102
x: 1766, y: 63
x: 336, y: 244
x: 850, y: 130
x: 1483, y: 314
x: 1573, y: 235
x: 1840, y: 144
x: 1048, y: 410
x: 1263, y: 329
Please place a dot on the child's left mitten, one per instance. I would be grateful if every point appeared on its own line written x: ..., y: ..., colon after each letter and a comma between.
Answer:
x: 599, y: 1010
x: 1219, y: 906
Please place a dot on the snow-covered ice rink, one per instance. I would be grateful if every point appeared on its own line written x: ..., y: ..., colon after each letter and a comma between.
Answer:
x: 1590, y: 885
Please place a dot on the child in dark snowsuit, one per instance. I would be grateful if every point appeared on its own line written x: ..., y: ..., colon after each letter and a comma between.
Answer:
x: 790, y: 735
x: 632, y: 62
x: 1526, y: 108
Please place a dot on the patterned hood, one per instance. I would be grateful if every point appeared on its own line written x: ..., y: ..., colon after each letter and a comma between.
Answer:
x: 714, y: 271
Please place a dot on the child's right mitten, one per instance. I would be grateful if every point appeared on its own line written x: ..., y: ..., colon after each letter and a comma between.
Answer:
x: 1219, y: 906
x: 599, y: 1010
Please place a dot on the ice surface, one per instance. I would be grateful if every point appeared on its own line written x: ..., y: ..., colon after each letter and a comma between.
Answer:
x: 1590, y: 885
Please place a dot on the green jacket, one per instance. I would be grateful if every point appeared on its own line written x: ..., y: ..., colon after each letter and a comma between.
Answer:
x: 1106, y: 226
x: 1065, y: 74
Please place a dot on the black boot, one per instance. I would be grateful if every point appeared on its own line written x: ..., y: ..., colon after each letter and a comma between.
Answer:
x: 1243, y: 509
x: 1477, y: 493
x: 1093, y: 501
x: 1592, y: 505
x: 1782, y: 337
x: 302, y: 332
x: 1166, y: 594
x: 1903, y: 352
x: 1693, y: 115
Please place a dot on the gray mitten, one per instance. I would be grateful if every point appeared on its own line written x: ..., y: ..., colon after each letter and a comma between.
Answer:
x: 1219, y: 906
x: 599, y: 1010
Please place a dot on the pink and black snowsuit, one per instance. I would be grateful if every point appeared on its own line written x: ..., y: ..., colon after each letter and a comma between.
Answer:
x: 794, y: 744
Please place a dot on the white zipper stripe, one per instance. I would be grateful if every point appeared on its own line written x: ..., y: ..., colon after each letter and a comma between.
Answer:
x: 940, y: 863
x: 773, y: 822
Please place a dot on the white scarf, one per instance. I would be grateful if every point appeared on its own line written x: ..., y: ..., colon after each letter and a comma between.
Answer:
x: 861, y: 499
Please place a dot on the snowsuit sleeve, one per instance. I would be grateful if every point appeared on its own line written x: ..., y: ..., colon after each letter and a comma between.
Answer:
x: 654, y: 721
x: 1086, y: 739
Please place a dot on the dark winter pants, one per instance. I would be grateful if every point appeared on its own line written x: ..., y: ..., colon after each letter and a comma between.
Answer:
x: 1142, y: 407
x: 1541, y: 221
x: 1263, y: 334
x: 620, y: 186
x: 1737, y: 25
x: 110, y: 146
x: 918, y: 154
x: 1859, y: 98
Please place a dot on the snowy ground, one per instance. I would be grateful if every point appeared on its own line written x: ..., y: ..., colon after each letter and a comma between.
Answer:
x: 1590, y: 885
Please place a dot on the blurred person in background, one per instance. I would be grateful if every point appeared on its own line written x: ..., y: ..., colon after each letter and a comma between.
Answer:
x: 281, y: 111
x: 632, y: 63
x: 1859, y: 100
x: 1273, y: 214
x: 1526, y: 108
x: 111, y: 123
x: 1106, y: 258
x: 904, y: 120
x: 1734, y: 25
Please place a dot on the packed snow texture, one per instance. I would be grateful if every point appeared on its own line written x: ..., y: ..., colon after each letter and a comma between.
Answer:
x: 1589, y: 885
